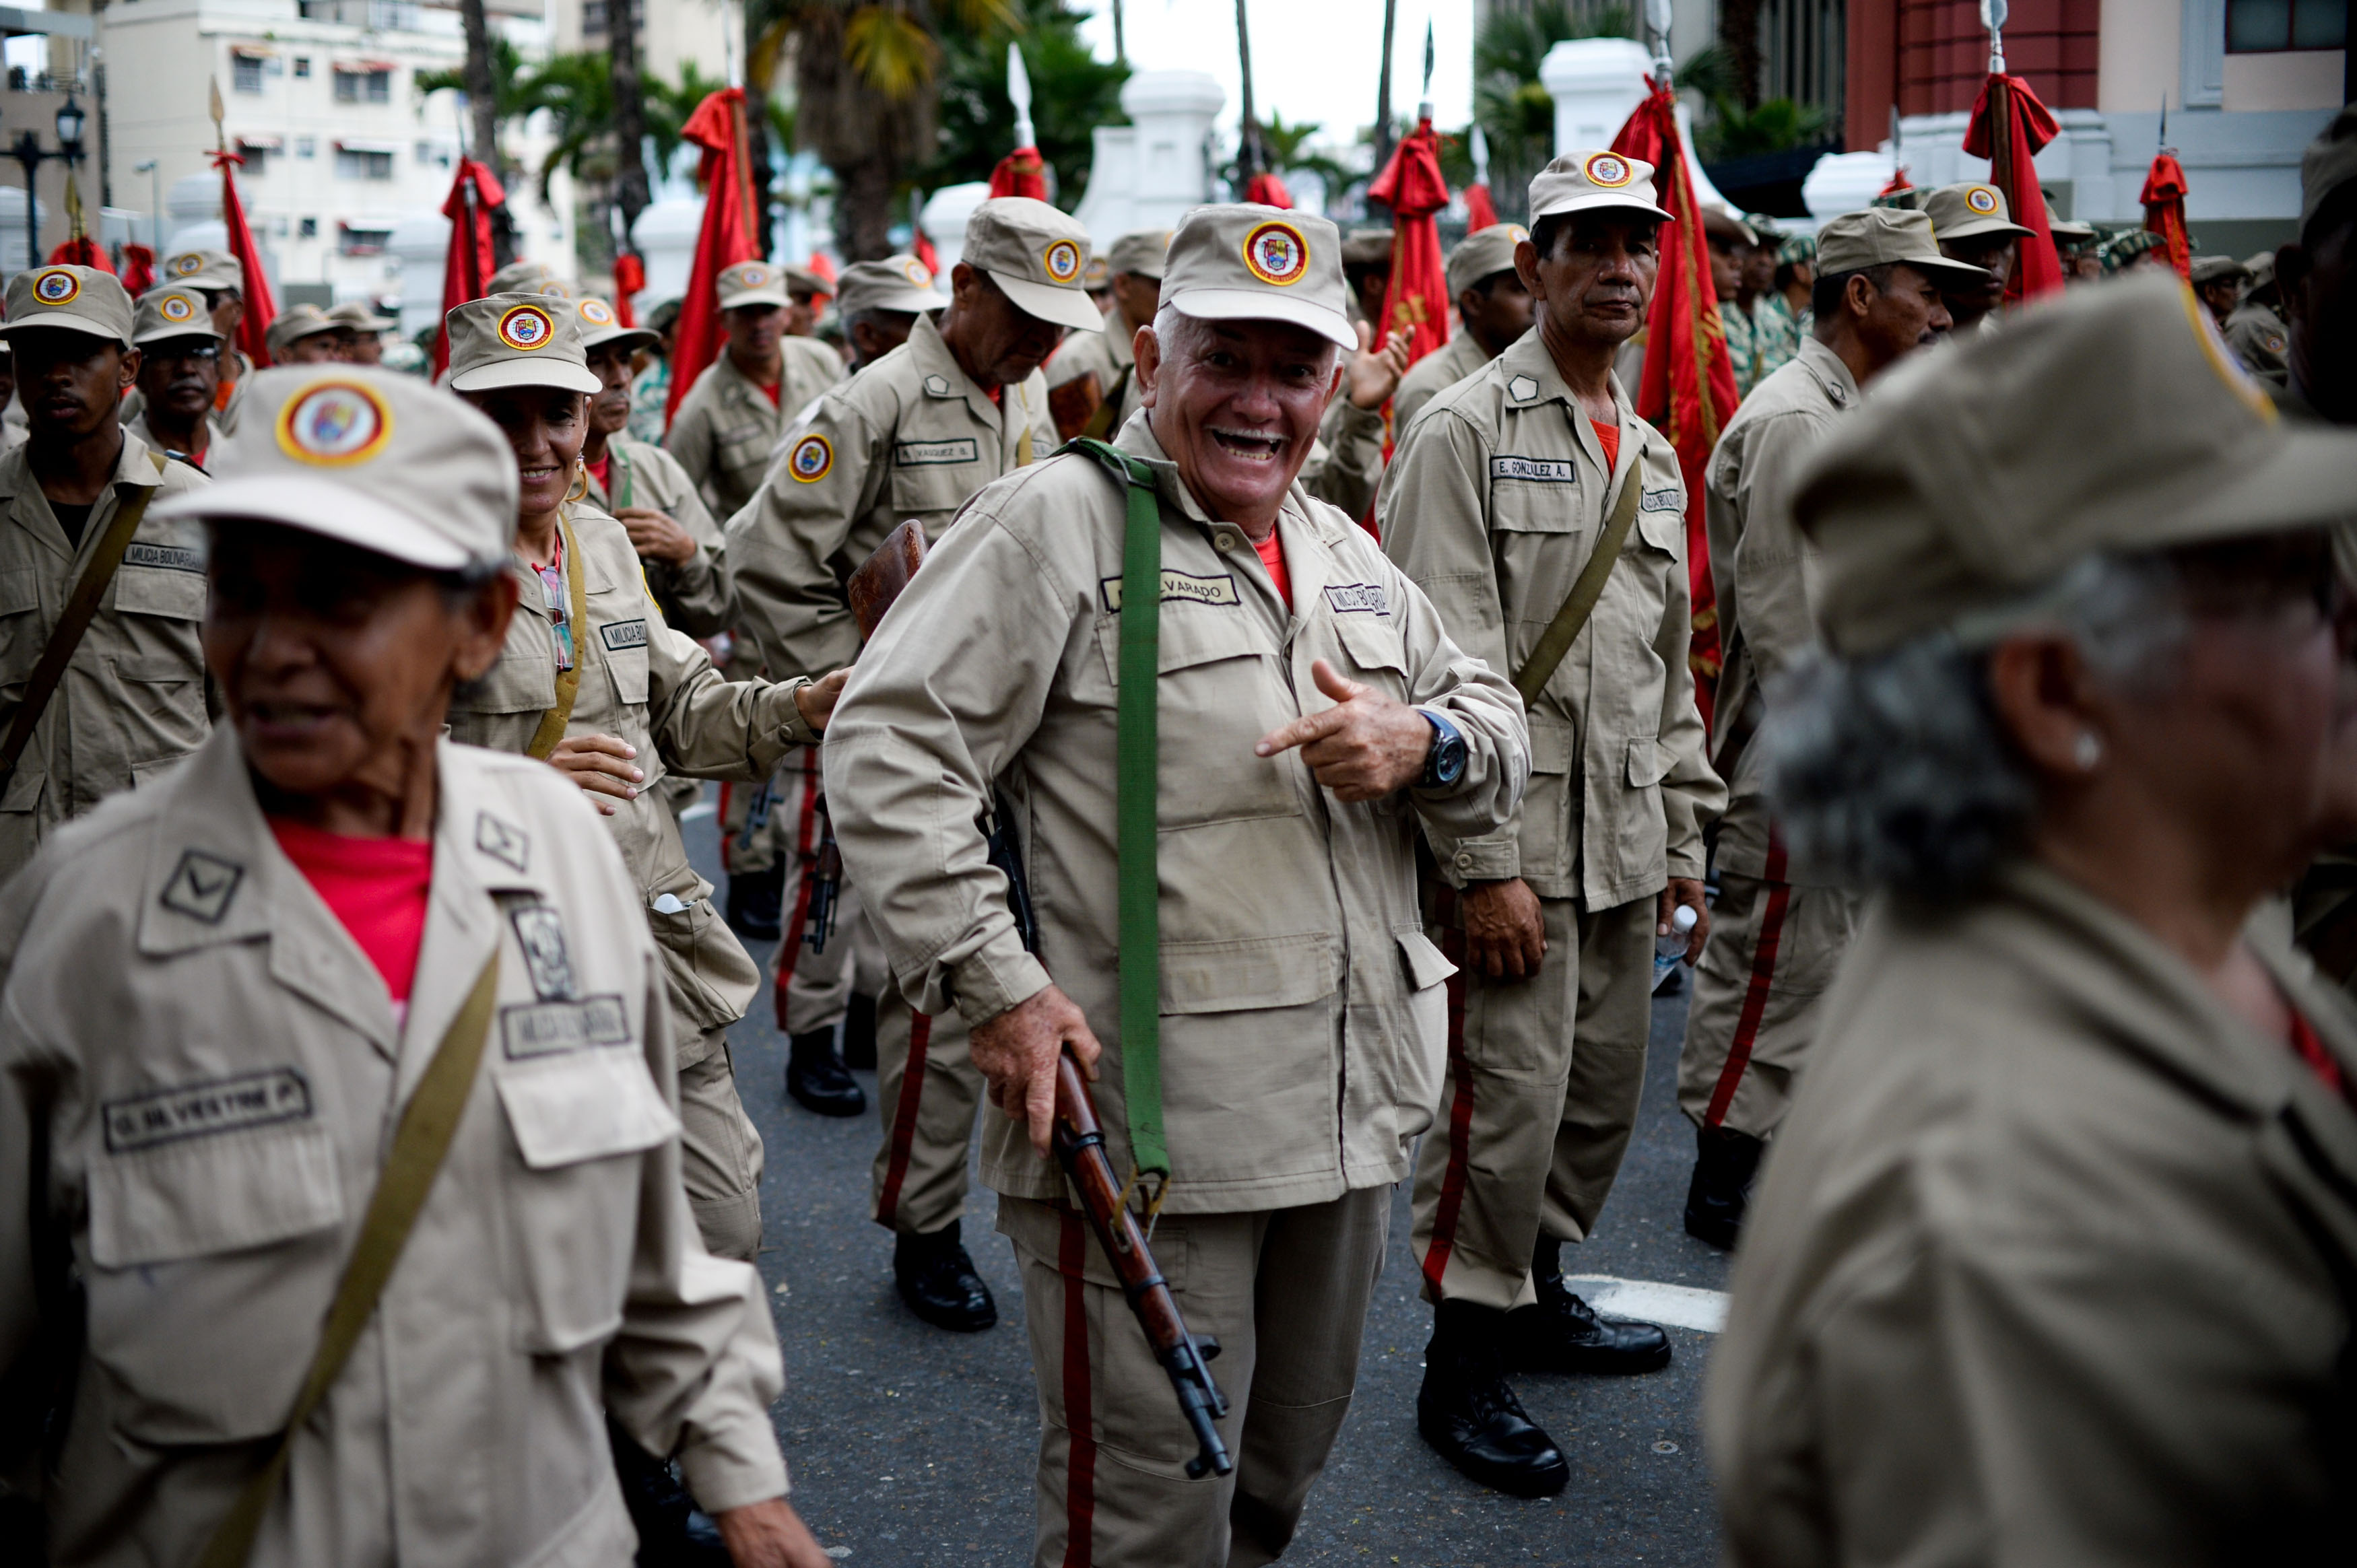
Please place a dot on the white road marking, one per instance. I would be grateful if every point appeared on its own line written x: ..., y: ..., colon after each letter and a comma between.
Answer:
x: 1680, y: 1306
x: 698, y: 812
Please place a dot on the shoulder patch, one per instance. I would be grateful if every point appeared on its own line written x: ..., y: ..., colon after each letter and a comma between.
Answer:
x: 1542, y: 470
x: 621, y: 634
x: 1522, y: 389
x: 1219, y: 588
x: 198, y: 1109
x: 932, y: 454
x: 937, y: 386
x: 539, y: 932
x: 811, y: 459
x: 201, y: 886
x: 1346, y: 598
x: 170, y: 557
x: 503, y: 841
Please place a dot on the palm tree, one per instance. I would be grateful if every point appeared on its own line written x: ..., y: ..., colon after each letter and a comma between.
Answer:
x: 1514, y: 112
x: 1072, y: 93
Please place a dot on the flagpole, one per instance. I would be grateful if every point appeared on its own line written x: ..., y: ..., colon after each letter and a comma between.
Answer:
x: 2001, y: 171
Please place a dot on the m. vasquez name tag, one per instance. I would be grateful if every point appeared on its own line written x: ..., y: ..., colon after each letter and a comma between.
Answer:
x: 1220, y: 589
x: 543, y: 1029
x: 199, y: 1110
x: 929, y: 453
x: 622, y: 633
x: 1546, y: 470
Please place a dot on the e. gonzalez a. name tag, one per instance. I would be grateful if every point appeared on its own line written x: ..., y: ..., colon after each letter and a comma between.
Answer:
x: 1546, y: 470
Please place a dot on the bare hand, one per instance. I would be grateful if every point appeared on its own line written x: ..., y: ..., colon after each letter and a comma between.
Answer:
x: 1684, y: 890
x: 656, y: 536
x: 817, y: 700
x: 1016, y: 1052
x: 1364, y: 747
x: 769, y: 1535
x: 1505, y: 933
x: 1375, y: 373
x: 600, y: 764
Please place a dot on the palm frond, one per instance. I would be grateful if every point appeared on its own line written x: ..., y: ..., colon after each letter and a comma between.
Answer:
x: 890, y: 50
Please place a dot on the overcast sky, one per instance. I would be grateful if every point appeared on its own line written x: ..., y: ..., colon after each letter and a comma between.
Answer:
x: 1316, y: 61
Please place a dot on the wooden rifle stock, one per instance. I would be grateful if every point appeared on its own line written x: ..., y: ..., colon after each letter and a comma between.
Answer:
x: 1078, y: 1137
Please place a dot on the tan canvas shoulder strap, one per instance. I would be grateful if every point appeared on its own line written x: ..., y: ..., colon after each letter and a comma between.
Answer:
x: 568, y: 682
x: 420, y: 1141
x: 90, y: 589
x: 1564, y: 630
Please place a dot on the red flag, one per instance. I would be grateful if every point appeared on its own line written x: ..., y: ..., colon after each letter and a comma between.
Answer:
x: 726, y: 238
x: 923, y: 249
x: 1020, y: 173
x: 2028, y: 125
x: 1418, y: 298
x: 1266, y: 189
x: 1687, y: 390
x: 630, y: 278
x: 1897, y: 183
x: 469, y: 263
x: 84, y: 252
x: 1480, y: 212
x: 138, y: 270
x: 254, y: 327
x: 2164, y: 211
x: 823, y: 265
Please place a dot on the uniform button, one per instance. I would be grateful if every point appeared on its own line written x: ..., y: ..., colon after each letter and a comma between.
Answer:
x: 1464, y: 860
x: 1224, y: 542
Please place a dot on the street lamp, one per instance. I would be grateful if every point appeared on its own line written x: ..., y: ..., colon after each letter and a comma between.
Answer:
x: 29, y: 152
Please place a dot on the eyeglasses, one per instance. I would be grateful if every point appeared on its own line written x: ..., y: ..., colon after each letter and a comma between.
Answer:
x: 204, y: 353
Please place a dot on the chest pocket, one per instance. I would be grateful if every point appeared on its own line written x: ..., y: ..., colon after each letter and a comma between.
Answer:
x: 1376, y: 649
x: 1220, y: 692
x: 940, y: 477
x: 746, y: 445
x: 1661, y: 522
x: 21, y: 633
x: 524, y: 679
x: 615, y: 596
x: 159, y: 591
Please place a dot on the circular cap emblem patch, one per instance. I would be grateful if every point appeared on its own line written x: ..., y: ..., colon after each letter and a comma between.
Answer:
x: 812, y: 456
x: 334, y: 424
x: 1981, y: 200
x: 752, y: 277
x: 595, y: 314
x: 1063, y: 261
x: 915, y: 272
x: 56, y: 289
x: 186, y: 266
x: 527, y: 326
x: 1609, y: 170
x: 1277, y: 253
x: 175, y: 307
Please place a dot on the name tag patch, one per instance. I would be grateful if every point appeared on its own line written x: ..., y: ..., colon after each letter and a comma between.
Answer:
x: 170, y: 557
x: 201, y: 1109
x: 1544, y: 470
x: 1347, y: 598
x: 932, y: 454
x: 622, y: 633
x: 1219, y: 589
x: 543, y: 1029
x: 1663, y: 500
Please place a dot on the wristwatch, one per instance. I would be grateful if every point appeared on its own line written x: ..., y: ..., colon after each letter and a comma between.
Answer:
x: 1443, y: 764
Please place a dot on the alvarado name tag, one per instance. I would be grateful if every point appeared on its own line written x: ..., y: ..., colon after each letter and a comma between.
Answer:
x: 1213, y: 590
x: 1547, y: 470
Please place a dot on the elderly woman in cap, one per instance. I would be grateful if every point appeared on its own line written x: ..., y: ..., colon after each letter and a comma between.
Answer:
x: 593, y: 681
x: 2051, y: 1262
x: 337, y: 1224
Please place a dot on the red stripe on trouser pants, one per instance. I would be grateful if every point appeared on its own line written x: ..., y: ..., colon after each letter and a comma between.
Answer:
x: 1460, y: 1121
x: 1080, y: 1460
x: 789, y: 946
x: 1755, y: 998
x: 723, y: 824
x: 904, y: 1118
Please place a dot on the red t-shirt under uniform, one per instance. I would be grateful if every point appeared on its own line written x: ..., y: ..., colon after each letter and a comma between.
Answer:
x: 1610, y: 434
x: 377, y: 887
x: 1272, y: 555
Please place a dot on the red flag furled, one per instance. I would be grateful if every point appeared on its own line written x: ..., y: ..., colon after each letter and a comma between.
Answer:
x: 82, y: 252
x: 2007, y: 127
x: 467, y: 265
x: 1020, y: 173
x: 922, y: 247
x: 726, y: 238
x: 1411, y: 185
x: 1898, y: 183
x: 260, y: 309
x: 630, y: 278
x: 1266, y: 189
x: 2164, y: 211
x: 1687, y: 390
x: 138, y: 270
x: 1480, y: 212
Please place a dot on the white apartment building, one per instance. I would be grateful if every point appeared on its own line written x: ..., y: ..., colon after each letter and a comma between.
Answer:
x: 671, y: 33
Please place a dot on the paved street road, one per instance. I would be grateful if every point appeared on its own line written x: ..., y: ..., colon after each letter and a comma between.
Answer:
x: 911, y: 1446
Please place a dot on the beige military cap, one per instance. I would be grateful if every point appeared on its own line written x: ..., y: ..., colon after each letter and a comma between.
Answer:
x: 752, y: 283
x: 1098, y: 277
x: 1367, y: 248
x: 1482, y: 253
x: 2263, y: 269
x: 2107, y: 420
x: 293, y: 324
x: 896, y: 282
x: 1969, y: 210
x: 368, y: 457
x: 204, y: 269
x: 1879, y: 236
x: 1596, y: 181
x: 2328, y: 163
x: 804, y: 279
x: 176, y: 310
x: 1037, y: 255
x: 528, y: 277
x: 2069, y: 234
x: 357, y: 316
x: 518, y: 340
x: 1141, y: 252
x: 601, y: 326
x: 2218, y: 269
x: 78, y: 299
x: 1241, y: 262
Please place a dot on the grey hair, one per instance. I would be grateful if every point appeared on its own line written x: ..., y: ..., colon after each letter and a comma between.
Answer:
x: 1176, y: 332
x: 1894, y: 771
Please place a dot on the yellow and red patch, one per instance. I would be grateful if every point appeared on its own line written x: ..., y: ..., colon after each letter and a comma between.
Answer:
x: 1277, y: 253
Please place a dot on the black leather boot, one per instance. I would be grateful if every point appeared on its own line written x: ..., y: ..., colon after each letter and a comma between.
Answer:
x: 937, y: 1280
x: 672, y: 1532
x: 755, y: 900
x: 816, y: 1077
x: 1561, y: 1333
x: 1725, y: 1162
x: 1471, y: 1418
x: 859, y: 1034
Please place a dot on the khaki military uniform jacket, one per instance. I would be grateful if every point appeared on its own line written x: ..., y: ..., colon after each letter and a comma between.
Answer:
x: 654, y: 687
x: 154, y: 443
x: 1492, y: 507
x: 198, y: 1139
x: 726, y: 426
x: 1107, y: 355
x: 910, y: 436
x: 133, y: 700
x: 2051, y: 1263
x: 2260, y: 338
x: 1763, y: 570
x: 1303, y: 1025
x: 694, y: 594
x: 1451, y: 363
x: 1346, y: 466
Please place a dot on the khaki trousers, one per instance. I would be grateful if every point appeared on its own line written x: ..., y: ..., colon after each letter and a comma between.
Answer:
x: 1773, y: 950
x: 928, y: 1093
x: 812, y: 989
x: 720, y: 1151
x: 1285, y: 1292
x: 1544, y: 1075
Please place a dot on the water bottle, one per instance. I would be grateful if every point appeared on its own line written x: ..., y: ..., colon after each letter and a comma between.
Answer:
x: 1669, y: 949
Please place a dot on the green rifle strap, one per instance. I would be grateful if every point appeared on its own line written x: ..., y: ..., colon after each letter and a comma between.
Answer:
x: 420, y: 1140
x: 1564, y: 630
x: 1136, y: 749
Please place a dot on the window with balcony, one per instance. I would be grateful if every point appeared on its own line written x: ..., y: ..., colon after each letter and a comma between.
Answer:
x: 354, y: 240
x: 245, y: 73
x: 362, y: 163
x: 2272, y: 26
x: 363, y: 86
x: 256, y: 154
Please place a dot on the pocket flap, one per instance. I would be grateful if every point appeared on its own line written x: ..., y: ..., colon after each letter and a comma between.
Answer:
x: 590, y: 1106
x: 1664, y: 529
x: 1236, y: 976
x: 1426, y: 964
x: 1552, y: 746
x: 157, y: 670
x: 215, y: 1194
x: 20, y: 590
x: 1374, y: 642
x: 1649, y: 762
x: 159, y: 591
